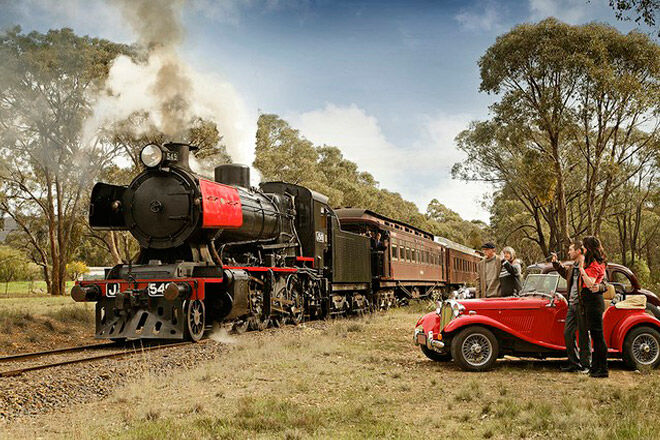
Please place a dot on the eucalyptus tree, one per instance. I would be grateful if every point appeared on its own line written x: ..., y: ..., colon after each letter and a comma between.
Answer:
x: 576, y: 105
x: 47, y: 85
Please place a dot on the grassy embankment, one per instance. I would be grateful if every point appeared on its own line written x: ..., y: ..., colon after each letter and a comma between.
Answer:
x: 362, y: 379
x: 30, y: 320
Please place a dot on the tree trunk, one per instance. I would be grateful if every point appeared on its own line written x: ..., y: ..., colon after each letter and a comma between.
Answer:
x: 562, y: 232
x: 114, y: 251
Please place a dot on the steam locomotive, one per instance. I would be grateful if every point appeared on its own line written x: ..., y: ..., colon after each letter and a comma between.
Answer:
x: 222, y: 251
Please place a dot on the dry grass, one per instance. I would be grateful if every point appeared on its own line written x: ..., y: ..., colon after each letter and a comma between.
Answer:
x: 28, y: 324
x: 361, y: 379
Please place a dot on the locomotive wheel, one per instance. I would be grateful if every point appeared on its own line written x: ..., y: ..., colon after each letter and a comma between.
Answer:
x: 195, y: 319
x: 260, y: 317
x: 240, y: 326
x: 295, y: 293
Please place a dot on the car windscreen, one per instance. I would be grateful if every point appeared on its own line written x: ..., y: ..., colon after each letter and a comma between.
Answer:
x: 541, y: 283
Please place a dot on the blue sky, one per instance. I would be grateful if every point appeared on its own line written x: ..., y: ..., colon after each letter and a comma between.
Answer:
x: 389, y: 82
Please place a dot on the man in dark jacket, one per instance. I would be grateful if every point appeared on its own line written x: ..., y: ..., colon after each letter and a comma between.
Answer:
x: 575, y: 317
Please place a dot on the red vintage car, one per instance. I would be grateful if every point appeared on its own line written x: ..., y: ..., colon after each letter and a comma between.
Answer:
x: 476, y: 332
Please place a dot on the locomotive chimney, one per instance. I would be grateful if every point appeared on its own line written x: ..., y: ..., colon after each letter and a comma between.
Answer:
x: 182, y: 152
x: 233, y: 174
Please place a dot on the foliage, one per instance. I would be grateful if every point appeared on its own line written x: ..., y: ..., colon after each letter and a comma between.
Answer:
x: 641, y: 269
x: 13, y: 266
x: 641, y: 11
x: 446, y: 223
x: 75, y: 269
x: 575, y: 121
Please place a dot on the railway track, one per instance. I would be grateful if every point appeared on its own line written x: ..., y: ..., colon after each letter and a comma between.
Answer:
x: 42, y: 354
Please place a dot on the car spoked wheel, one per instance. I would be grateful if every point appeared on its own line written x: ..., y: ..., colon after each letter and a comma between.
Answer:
x: 645, y: 349
x: 475, y: 348
x: 195, y: 319
x: 641, y: 348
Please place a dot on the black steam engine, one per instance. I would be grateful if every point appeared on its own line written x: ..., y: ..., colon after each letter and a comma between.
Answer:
x: 221, y: 251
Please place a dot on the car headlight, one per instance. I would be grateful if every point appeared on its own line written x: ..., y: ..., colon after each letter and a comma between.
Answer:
x: 457, y: 308
x: 151, y: 155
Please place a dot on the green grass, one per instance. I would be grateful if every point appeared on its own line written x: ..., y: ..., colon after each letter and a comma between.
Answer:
x: 22, y: 289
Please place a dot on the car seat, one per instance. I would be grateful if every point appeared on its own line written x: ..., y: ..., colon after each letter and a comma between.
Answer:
x: 609, y: 295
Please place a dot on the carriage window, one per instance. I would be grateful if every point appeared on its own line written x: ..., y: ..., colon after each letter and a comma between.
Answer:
x: 407, y: 254
x: 395, y: 252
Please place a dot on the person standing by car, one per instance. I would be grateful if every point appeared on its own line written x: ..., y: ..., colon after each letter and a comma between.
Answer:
x: 488, y: 272
x: 510, y: 283
x: 575, y: 316
x: 592, y: 270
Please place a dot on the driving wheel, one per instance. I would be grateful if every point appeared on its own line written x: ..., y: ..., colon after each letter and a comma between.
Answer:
x: 195, y: 319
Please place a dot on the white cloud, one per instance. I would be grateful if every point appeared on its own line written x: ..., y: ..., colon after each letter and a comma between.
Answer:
x: 570, y: 11
x: 420, y: 171
x: 483, y: 16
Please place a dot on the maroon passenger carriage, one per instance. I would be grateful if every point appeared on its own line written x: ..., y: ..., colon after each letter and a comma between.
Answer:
x: 410, y: 262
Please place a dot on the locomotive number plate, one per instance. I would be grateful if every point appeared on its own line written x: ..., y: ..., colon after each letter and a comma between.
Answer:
x: 320, y: 237
x: 156, y: 289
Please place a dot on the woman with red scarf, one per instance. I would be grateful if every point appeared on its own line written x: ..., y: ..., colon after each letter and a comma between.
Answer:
x: 592, y: 271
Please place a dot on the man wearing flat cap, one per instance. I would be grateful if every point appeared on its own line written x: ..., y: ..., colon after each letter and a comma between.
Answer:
x: 488, y: 272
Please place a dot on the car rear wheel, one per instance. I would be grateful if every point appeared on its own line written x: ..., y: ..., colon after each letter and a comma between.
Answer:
x: 641, y: 348
x: 475, y: 348
x: 434, y: 355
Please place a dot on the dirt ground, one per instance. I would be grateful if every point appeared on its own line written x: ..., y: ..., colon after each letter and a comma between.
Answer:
x: 40, y: 323
x: 357, y: 379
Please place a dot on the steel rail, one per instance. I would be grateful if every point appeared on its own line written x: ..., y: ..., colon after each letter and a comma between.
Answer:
x: 20, y: 371
x: 23, y: 356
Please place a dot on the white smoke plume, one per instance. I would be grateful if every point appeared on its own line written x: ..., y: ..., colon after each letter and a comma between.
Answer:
x: 166, y: 87
x: 220, y: 334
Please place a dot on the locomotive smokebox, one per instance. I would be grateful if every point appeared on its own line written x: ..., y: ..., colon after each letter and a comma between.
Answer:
x: 233, y: 174
x: 179, y: 154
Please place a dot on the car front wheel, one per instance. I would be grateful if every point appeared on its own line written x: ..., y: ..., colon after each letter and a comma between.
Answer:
x: 641, y: 348
x: 434, y: 355
x: 475, y: 348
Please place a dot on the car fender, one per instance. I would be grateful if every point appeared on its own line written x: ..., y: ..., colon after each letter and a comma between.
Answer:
x: 626, y: 324
x: 429, y: 322
x: 465, y: 321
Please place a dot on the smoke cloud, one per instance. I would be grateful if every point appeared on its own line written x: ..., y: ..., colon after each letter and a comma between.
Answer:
x: 166, y: 87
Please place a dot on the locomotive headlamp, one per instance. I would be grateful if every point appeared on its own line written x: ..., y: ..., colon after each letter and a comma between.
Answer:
x: 151, y: 155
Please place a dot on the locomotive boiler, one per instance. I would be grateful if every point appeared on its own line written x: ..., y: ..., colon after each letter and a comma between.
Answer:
x: 220, y: 250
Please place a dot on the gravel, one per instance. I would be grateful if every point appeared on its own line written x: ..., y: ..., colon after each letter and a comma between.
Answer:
x: 42, y: 391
